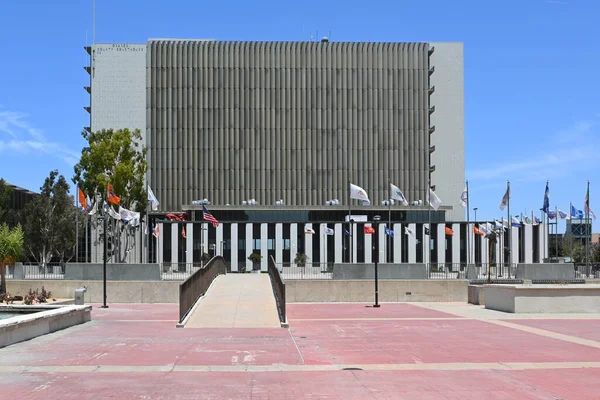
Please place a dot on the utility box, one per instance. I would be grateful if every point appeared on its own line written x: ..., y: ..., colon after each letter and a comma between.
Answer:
x: 79, y: 296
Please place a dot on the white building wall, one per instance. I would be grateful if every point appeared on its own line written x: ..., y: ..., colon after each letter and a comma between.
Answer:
x: 448, y: 118
x: 119, y: 87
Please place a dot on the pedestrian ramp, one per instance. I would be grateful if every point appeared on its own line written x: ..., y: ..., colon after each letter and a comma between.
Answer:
x: 237, y: 301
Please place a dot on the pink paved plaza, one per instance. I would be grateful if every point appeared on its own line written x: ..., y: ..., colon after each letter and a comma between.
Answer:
x: 331, y: 351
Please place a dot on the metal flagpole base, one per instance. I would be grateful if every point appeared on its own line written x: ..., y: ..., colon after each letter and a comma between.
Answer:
x: 376, y: 305
x: 103, y: 307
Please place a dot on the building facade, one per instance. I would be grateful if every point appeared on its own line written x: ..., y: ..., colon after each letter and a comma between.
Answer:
x: 292, y: 121
x: 231, y: 121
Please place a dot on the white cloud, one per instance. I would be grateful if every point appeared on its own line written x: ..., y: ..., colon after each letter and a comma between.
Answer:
x: 564, y: 155
x: 25, y: 138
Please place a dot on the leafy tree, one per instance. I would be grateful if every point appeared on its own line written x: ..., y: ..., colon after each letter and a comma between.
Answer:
x: 7, y: 215
x: 11, y: 249
x: 50, y: 221
x: 115, y: 157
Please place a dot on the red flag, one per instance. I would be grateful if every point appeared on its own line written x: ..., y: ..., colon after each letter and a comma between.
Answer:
x: 449, y: 231
x: 369, y: 230
x: 82, y: 199
x: 183, y: 232
x: 112, y: 197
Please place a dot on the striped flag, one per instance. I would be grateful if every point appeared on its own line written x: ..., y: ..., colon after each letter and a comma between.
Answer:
x: 209, y: 217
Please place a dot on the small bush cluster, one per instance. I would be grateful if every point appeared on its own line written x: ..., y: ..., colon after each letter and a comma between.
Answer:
x: 37, y: 296
x: 9, y: 299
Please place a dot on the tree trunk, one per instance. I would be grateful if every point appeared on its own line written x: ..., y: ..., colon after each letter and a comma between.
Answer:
x: 2, y: 278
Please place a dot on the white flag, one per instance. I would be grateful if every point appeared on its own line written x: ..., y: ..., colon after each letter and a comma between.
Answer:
x: 328, y: 231
x: 94, y: 209
x: 309, y: 231
x: 433, y: 199
x: 464, y: 197
x: 409, y: 231
x: 152, y: 199
x: 505, y: 198
x: 358, y: 193
x: 398, y: 195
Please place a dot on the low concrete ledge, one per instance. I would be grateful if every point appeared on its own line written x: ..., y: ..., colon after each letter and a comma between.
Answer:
x: 114, y: 272
x: 543, y: 298
x: 546, y: 271
x: 323, y: 291
x: 46, y: 319
x: 116, y: 291
x: 384, y: 271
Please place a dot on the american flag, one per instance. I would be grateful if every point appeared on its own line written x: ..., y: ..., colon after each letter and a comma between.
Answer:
x: 209, y: 217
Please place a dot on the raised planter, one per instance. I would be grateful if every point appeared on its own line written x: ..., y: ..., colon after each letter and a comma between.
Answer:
x: 40, y: 320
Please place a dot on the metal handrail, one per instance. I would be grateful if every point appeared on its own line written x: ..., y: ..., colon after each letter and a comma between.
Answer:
x: 278, y: 288
x: 198, y: 283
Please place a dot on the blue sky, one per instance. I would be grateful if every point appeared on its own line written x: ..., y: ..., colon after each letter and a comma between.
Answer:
x: 531, y: 107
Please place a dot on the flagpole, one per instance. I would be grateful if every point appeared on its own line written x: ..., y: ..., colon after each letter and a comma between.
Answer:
x: 87, y: 217
x: 571, y: 231
x: 429, y: 223
x: 468, y: 230
x: 350, y: 222
x: 510, y: 258
x: 387, y: 239
x: 587, y: 226
x: 77, y: 225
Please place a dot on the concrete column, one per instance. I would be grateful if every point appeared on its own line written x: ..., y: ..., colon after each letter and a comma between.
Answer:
x: 382, y: 243
x: 368, y: 247
x: 546, y: 240
x: 484, y: 250
x: 219, y: 236
x: 264, y: 248
x: 398, y: 243
x: 160, y: 246
x: 441, y: 243
x: 412, y: 244
x: 189, y: 246
x: 514, y: 244
x: 204, y: 234
x: 249, y: 247
x: 499, y: 239
x: 308, y: 238
x: 354, y: 243
x: 293, y: 242
x: 278, y: 243
x: 174, y: 243
x: 322, y: 244
x: 471, y: 242
x: 456, y: 247
x: 339, y: 236
x: 528, y: 239
x: 234, y: 247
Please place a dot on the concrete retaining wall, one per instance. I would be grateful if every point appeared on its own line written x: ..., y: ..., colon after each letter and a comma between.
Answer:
x: 114, y: 272
x: 116, y: 291
x: 385, y: 271
x: 476, y: 294
x: 552, y: 271
x: 313, y: 291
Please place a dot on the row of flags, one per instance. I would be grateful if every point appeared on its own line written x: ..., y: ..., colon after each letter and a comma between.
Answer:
x: 358, y: 193
x: 132, y: 217
x: 575, y: 213
x: 369, y: 230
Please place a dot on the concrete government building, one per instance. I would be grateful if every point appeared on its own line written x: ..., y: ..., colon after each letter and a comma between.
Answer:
x: 293, y: 121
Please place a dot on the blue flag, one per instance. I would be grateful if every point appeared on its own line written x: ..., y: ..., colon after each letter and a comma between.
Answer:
x: 347, y: 233
x: 575, y: 213
x: 389, y: 232
x: 546, y: 206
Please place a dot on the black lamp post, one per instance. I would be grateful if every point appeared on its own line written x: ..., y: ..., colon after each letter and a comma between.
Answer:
x: 475, y: 209
x: 376, y: 219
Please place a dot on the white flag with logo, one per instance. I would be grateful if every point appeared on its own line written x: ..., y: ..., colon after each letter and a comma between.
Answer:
x: 433, y: 199
x: 505, y: 199
x: 358, y: 193
x: 398, y: 195
x: 464, y: 197
x: 328, y: 231
x: 409, y: 231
